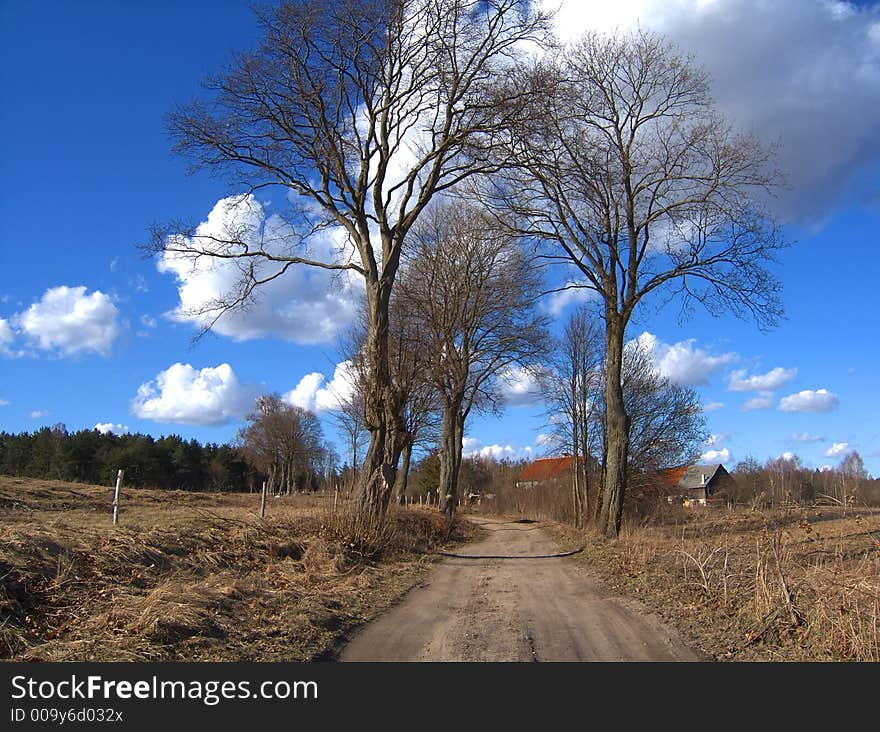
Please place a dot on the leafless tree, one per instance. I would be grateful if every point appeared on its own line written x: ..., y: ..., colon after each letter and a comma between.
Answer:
x: 409, y: 364
x: 632, y: 176
x: 572, y: 385
x: 284, y: 442
x: 667, y: 423
x: 472, y: 290
x: 360, y: 112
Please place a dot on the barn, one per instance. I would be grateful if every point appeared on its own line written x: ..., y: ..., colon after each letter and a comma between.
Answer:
x: 693, y: 485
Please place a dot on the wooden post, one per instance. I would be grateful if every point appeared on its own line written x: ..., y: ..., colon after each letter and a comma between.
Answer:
x: 335, y: 497
x: 263, y: 501
x: 119, y: 475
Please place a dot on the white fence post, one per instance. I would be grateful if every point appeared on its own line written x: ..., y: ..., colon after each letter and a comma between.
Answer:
x: 119, y: 475
x: 263, y: 501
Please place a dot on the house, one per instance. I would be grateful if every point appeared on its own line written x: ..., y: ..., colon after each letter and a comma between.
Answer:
x: 546, y: 470
x: 693, y: 485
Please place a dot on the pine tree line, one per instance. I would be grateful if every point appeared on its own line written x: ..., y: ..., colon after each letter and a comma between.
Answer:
x: 89, y: 456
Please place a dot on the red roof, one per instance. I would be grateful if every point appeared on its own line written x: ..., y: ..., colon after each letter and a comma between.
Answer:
x: 665, y: 481
x: 547, y: 468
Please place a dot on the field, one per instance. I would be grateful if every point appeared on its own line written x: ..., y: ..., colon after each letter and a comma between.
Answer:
x: 199, y: 576
x: 797, y: 584
x: 194, y: 576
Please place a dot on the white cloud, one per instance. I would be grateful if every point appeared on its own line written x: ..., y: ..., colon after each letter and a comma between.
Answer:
x: 806, y: 437
x: 39, y: 414
x: 7, y: 336
x: 182, y: 394
x: 717, y: 440
x: 316, y: 394
x: 518, y: 387
x: 148, y: 322
x: 114, y: 264
x: 306, y: 304
x: 837, y: 449
x: 575, y: 293
x: 774, y: 379
x: 67, y: 321
x: 108, y: 427
x: 503, y: 452
x: 4, y: 402
x: 763, y: 401
x: 716, y: 456
x: 787, y: 456
x: 804, y: 74
x: 713, y: 407
x: 139, y: 284
x: 808, y: 400
x: 472, y: 447
x: 683, y: 362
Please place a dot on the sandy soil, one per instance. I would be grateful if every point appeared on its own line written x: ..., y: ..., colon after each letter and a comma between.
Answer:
x: 517, y: 609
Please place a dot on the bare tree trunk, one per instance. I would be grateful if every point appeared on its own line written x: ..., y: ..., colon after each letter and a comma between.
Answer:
x: 577, y: 510
x: 616, y: 429
x: 451, y: 434
x: 403, y: 472
x: 384, y: 413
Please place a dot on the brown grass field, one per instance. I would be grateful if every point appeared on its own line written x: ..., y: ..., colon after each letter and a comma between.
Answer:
x: 199, y: 576
x: 194, y: 576
x: 796, y: 584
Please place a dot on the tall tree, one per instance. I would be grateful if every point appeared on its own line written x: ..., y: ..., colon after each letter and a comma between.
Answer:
x: 360, y: 112
x: 572, y: 386
x: 473, y: 291
x: 633, y: 177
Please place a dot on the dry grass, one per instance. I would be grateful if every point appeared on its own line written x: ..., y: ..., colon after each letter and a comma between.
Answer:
x: 792, y: 584
x: 194, y: 576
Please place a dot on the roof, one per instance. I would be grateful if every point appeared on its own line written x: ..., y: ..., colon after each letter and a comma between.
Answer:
x: 682, y: 478
x: 547, y: 468
x: 697, y: 476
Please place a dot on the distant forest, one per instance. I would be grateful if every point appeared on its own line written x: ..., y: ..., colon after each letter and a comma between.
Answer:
x: 88, y: 456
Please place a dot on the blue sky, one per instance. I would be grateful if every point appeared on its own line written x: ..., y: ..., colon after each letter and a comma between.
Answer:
x: 87, y: 324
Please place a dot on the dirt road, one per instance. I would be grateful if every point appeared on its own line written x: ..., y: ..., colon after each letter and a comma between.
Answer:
x: 524, y: 609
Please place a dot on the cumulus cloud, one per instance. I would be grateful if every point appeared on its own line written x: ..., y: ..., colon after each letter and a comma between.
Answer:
x: 808, y: 400
x: 66, y: 321
x: 4, y: 402
x: 503, y: 452
x: 108, y: 427
x: 837, y: 449
x: 305, y: 305
x: 472, y: 447
x: 683, y: 362
x: 713, y: 407
x: 806, y: 437
x: 716, y: 456
x: 518, y: 387
x: 209, y: 396
x: 316, y: 394
x: 773, y: 379
x: 764, y: 400
x: 39, y: 413
x: 803, y: 74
